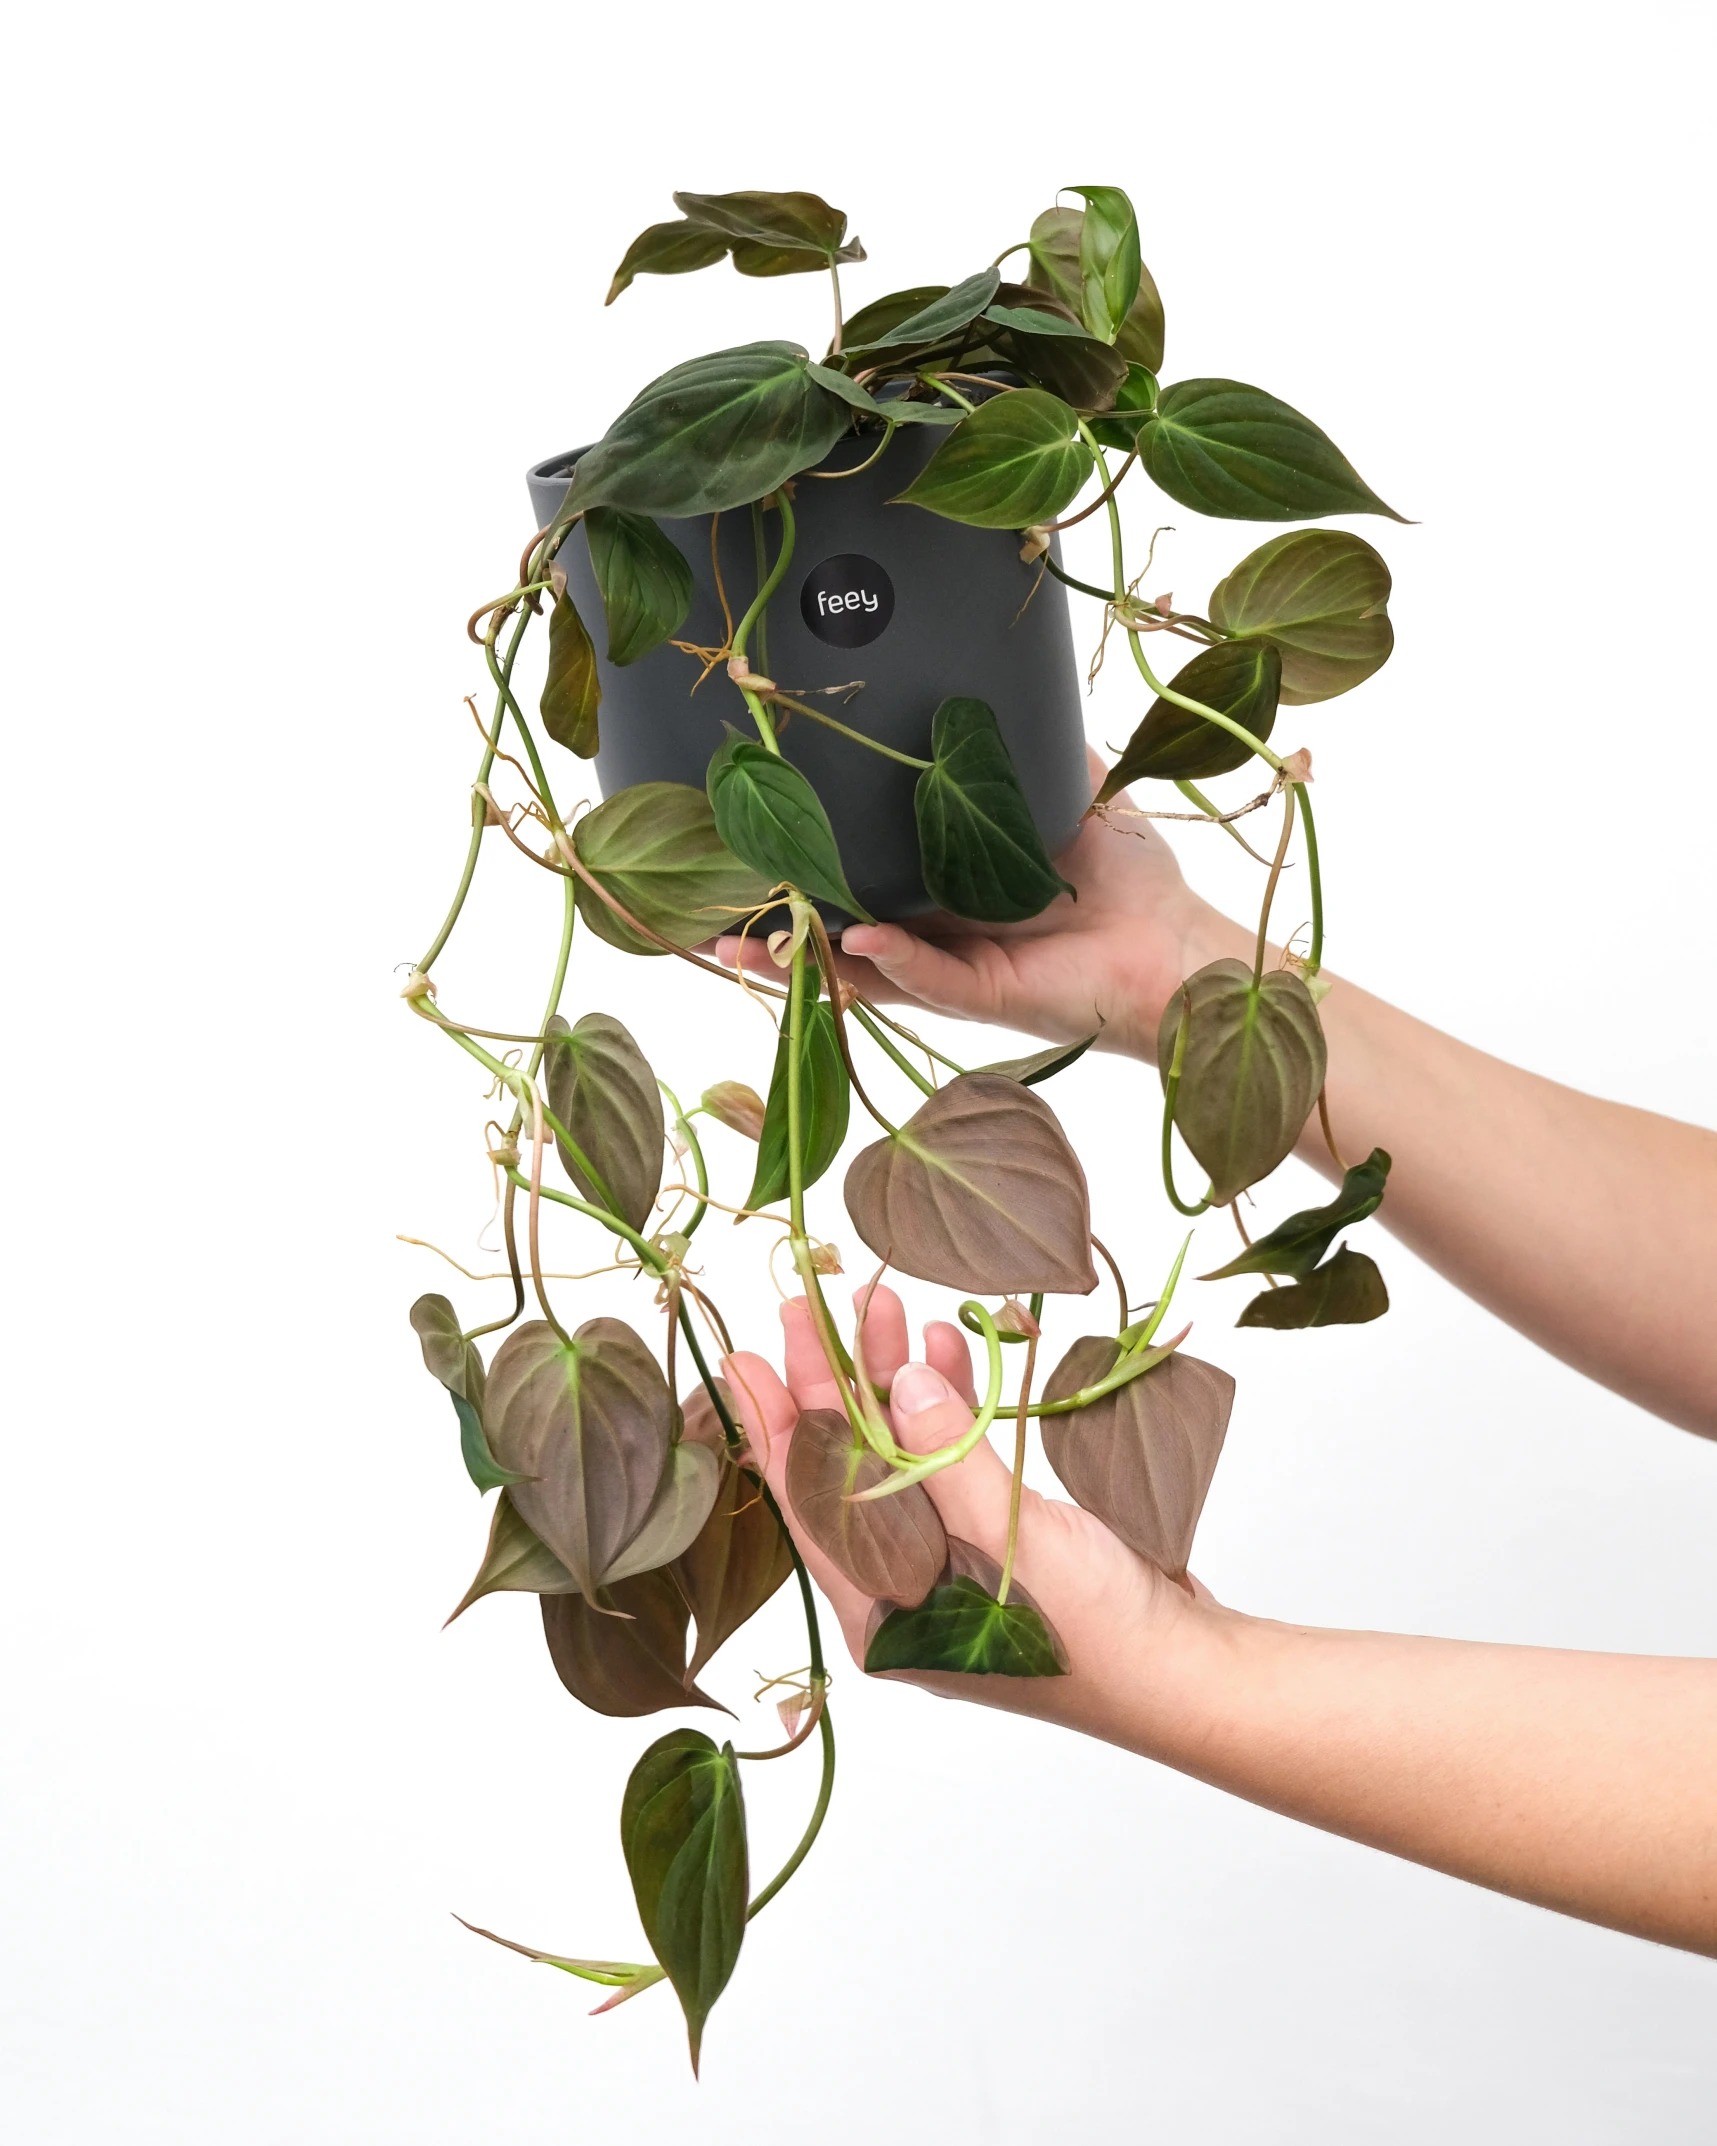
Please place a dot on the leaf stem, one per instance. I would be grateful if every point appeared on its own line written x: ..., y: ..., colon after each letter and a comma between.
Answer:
x: 683, y: 1126
x: 1018, y: 1484
x: 1314, y: 960
x: 914, y: 1469
x: 861, y: 1014
x: 819, y: 1811
x: 1171, y: 1088
x: 1270, y: 883
x: 817, y: 715
x: 759, y: 605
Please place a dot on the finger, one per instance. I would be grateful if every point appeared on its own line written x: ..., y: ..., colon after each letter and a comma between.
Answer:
x: 882, y: 1331
x: 809, y: 1379
x: 929, y: 1412
x: 935, y: 976
x: 947, y: 1350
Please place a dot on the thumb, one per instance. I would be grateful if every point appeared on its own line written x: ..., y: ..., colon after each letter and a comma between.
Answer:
x: 972, y: 1496
x: 917, y: 969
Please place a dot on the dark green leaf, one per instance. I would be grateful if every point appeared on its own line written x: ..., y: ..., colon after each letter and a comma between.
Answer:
x: 1064, y: 360
x: 1056, y: 246
x: 768, y: 814
x: 572, y: 692
x: 655, y: 848
x: 981, y: 853
x: 449, y: 1357
x: 1320, y: 597
x: 1231, y: 450
x: 960, y: 1626
x: 714, y: 433
x: 738, y: 1560
x: 1253, y: 1065
x: 602, y: 1090
x: 631, y: 1662
x: 1135, y: 399
x: 1294, y: 1247
x: 587, y: 1424
x: 889, y: 1547
x: 480, y: 1464
x: 645, y: 582
x: 1347, y: 1291
x: 934, y: 323
x: 666, y: 250
x: 791, y: 222
x: 682, y: 1827
x: 1237, y: 678
x: 979, y: 1190
x: 1110, y: 270
x: 1033, y: 320
x: 893, y: 410
x: 1016, y: 460
x: 1040, y: 1065
x: 824, y: 1103
x: 515, y: 1561
x: 1140, y: 1458
x: 883, y: 315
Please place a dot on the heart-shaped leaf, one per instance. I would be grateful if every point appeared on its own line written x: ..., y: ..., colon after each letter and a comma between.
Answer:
x: 572, y: 692
x: 979, y: 1190
x: 1253, y: 1065
x: 768, y: 814
x: 802, y: 223
x: 883, y: 315
x: 1034, y: 320
x: 515, y: 1562
x: 629, y: 1663
x: 673, y: 249
x: 1295, y: 1246
x: 1056, y: 266
x: 1237, y: 678
x: 1053, y: 352
x: 1040, y: 1065
x: 1346, y: 1291
x: 602, y: 1090
x: 449, y: 1357
x: 960, y: 1626
x: 890, y: 410
x: 824, y: 1103
x: 978, y: 845
x: 1231, y: 450
x: 589, y: 1423
x: 893, y: 1547
x: 682, y: 1506
x: 645, y: 582
x: 1135, y: 399
x: 1319, y: 596
x: 1110, y: 270
x: 1140, y: 1458
x: 1018, y: 459
x: 943, y: 316
x: 714, y: 433
x: 682, y: 1827
x: 655, y: 848
x: 738, y: 1560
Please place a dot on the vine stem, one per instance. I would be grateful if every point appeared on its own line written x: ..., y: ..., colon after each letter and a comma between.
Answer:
x: 1018, y: 1485
x: 1270, y: 883
x: 846, y: 730
x: 872, y: 1029
x: 1171, y: 1088
x: 759, y: 604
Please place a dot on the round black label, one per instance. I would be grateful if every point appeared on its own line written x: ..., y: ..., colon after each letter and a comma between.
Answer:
x: 847, y: 601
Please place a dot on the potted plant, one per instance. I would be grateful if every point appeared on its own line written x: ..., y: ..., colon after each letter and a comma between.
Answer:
x: 755, y: 526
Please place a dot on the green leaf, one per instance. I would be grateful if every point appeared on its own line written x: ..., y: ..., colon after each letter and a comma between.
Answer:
x: 802, y: 223
x: 572, y: 692
x: 516, y: 1561
x: 1135, y: 399
x: 960, y: 1626
x: 883, y: 315
x: 1110, y: 270
x: 624, y: 1975
x: 980, y: 1190
x: 627, y: 1657
x: 1237, y: 678
x: 1056, y: 248
x: 587, y: 1424
x: 602, y: 1090
x: 645, y: 582
x: 942, y: 317
x: 1320, y: 597
x: 1032, y: 320
x: 714, y: 433
x: 896, y: 410
x: 1040, y: 1065
x: 1294, y: 1247
x: 824, y: 1102
x: 682, y: 1827
x: 981, y: 853
x: 666, y: 250
x: 893, y: 1547
x: 1231, y: 450
x: 768, y: 814
x: 655, y: 848
x: 1016, y: 460
x: 1057, y: 355
x: 449, y: 1357
x: 1140, y: 1458
x: 1347, y: 1291
x: 738, y: 1560
x: 1253, y: 1064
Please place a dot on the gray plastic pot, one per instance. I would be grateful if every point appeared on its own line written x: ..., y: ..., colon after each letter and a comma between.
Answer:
x: 916, y: 606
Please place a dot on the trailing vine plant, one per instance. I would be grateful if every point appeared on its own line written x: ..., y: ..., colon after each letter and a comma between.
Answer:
x: 632, y: 1513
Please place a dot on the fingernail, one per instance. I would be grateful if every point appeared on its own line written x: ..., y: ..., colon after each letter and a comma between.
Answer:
x: 917, y: 1387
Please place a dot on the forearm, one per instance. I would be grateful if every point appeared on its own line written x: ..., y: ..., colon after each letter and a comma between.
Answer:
x: 1589, y: 1226
x: 1583, y: 1782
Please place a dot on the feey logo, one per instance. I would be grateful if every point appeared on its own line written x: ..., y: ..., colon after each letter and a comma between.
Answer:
x: 847, y: 600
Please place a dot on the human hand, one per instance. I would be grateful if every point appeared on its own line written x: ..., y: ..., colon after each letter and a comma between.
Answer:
x: 1108, y: 961
x: 1116, y: 1615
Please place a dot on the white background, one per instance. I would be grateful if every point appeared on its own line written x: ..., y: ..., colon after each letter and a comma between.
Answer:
x: 295, y: 295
